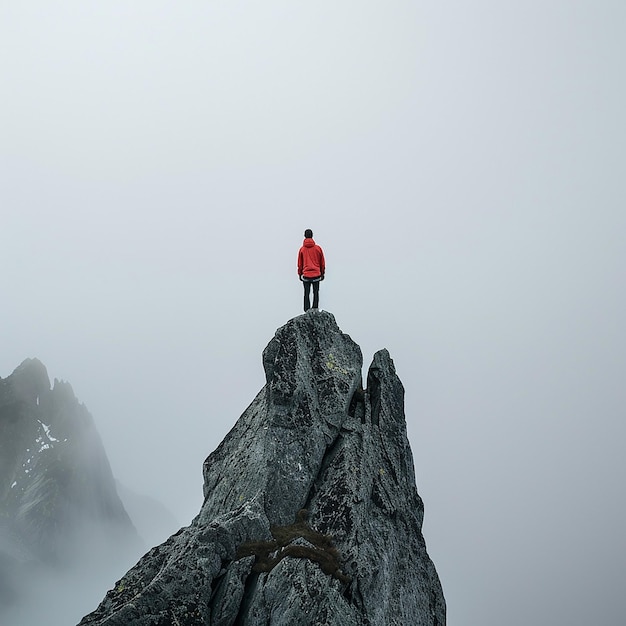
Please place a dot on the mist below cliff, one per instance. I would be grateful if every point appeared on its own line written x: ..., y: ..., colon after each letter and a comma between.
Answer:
x: 38, y: 594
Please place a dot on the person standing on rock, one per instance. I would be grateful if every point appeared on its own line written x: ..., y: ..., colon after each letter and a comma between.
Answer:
x: 311, y: 268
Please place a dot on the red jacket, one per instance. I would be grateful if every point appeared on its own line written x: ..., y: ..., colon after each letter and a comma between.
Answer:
x: 311, y: 263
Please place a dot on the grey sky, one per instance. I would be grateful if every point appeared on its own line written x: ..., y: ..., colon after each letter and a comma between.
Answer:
x: 462, y: 164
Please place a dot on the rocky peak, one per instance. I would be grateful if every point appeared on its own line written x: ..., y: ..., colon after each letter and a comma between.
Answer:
x: 311, y: 513
x: 29, y: 380
x: 54, y: 472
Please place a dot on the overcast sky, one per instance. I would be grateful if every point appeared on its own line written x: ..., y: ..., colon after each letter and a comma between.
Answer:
x: 462, y: 164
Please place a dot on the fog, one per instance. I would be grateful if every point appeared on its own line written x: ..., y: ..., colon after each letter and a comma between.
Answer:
x: 62, y: 593
x: 462, y: 166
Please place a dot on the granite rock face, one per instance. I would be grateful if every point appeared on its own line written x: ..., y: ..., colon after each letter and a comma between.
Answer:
x: 311, y: 513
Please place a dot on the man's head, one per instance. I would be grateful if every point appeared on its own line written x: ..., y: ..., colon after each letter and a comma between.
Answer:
x: 308, y: 233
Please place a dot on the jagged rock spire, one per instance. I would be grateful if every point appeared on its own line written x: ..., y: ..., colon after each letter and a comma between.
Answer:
x: 312, y: 440
x: 54, y: 473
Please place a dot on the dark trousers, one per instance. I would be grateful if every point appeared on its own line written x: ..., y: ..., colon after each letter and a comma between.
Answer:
x: 307, y: 291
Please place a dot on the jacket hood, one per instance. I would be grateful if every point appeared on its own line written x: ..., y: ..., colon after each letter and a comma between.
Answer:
x: 308, y: 242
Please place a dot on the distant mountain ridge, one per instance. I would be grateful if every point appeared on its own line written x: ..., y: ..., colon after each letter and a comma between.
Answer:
x: 58, y: 500
x: 311, y: 514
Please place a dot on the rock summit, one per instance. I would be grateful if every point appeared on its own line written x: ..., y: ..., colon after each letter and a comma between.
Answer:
x: 311, y: 514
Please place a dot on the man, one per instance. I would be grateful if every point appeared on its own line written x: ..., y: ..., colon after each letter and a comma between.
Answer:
x: 311, y: 268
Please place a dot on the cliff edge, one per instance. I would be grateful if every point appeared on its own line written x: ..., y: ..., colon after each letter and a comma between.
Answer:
x: 311, y: 513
